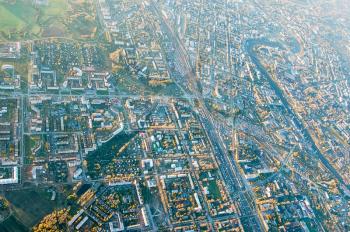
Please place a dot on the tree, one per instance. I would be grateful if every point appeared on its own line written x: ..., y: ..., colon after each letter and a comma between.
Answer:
x: 55, y: 222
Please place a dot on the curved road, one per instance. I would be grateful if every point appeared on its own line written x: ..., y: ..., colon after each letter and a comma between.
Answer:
x: 249, y: 48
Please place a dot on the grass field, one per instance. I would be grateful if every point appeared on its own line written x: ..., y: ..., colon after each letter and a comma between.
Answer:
x: 22, y: 20
x: 24, y: 209
x: 10, y: 20
x: 11, y: 224
x: 18, y: 18
x: 126, y: 83
x: 214, y: 189
x: 55, y: 8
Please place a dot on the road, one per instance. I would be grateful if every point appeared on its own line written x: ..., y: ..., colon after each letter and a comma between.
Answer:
x: 237, y: 186
x: 233, y: 181
x: 249, y: 48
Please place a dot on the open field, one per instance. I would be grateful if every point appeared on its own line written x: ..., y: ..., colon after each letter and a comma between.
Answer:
x: 29, y: 214
x: 128, y: 84
x: 25, y: 20
x: 11, y: 224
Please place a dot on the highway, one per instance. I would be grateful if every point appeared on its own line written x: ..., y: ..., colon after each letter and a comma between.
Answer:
x: 249, y: 48
x: 238, y: 188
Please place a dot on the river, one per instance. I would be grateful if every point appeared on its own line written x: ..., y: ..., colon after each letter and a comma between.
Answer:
x: 249, y: 48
